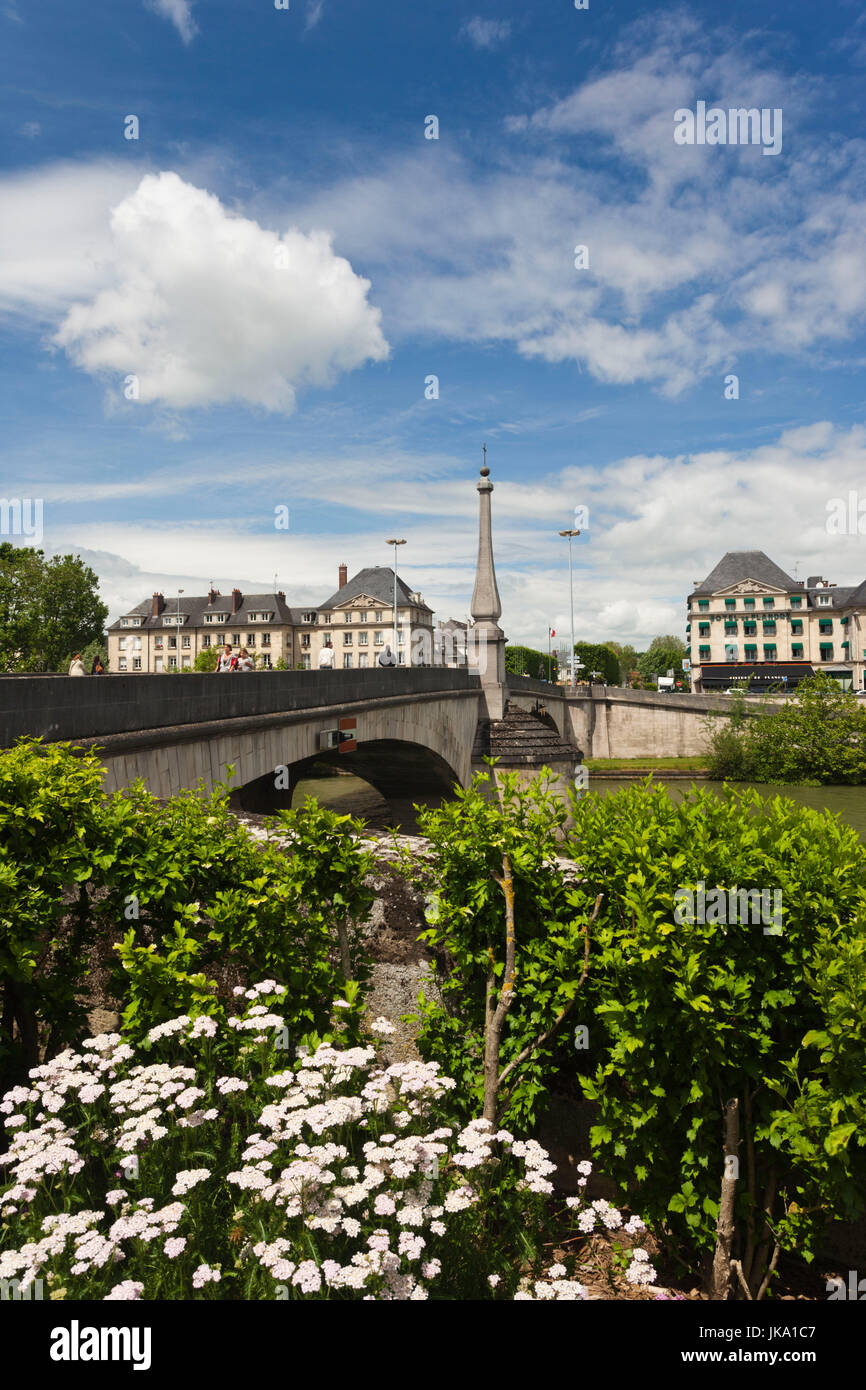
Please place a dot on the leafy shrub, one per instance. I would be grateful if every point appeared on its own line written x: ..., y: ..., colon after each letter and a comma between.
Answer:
x: 687, y: 1015
x: 196, y: 895
x: 817, y: 736
x: 222, y: 1168
x: 484, y: 849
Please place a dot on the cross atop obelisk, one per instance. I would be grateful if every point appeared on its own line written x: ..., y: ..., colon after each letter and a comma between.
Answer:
x: 489, y: 639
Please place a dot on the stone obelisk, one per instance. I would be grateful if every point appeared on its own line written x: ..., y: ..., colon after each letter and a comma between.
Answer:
x: 488, y: 637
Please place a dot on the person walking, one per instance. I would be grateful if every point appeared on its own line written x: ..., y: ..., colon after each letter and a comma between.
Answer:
x: 245, y: 661
x: 76, y: 666
x: 387, y: 658
x: 97, y: 669
x: 326, y: 656
x: 227, y: 661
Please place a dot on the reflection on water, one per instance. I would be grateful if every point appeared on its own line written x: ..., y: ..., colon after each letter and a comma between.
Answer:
x: 847, y: 802
x: 350, y: 795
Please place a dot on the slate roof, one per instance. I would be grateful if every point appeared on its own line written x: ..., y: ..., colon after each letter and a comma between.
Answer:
x: 746, y: 564
x: 841, y: 594
x: 194, y: 607
x: 377, y: 582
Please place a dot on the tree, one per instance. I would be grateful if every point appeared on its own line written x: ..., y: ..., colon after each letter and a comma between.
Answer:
x: 48, y: 608
x: 627, y: 658
x: 597, y: 658
x: 526, y: 661
x: 663, y: 654
x: 206, y: 659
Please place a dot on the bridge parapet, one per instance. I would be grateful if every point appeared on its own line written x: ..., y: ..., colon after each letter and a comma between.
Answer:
x: 61, y: 708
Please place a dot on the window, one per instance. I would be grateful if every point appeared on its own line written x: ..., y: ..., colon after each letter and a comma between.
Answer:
x: 347, y: 617
x: 378, y: 639
x: 266, y: 640
x: 730, y: 625
x: 362, y: 616
x: 347, y: 661
x: 749, y: 602
x: 703, y: 629
x: 401, y: 660
x: 703, y: 604
x: 730, y: 651
x: 796, y: 648
x: 704, y: 651
x: 251, y: 639
x: 824, y: 600
x: 185, y: 663
x: 768, y: 624
x: 172, y: 642
x: 184, y: 641
x: 308, y: 617
x: 205, y: 641
x: 769, y: 602
x: 136, y: 663
x: 121, y: 663
x: 825, y: 626
x: 348, y: 638
x: 305, y: 663
x: 172, y: 663
x: 796, y: 601
x: 172, y: 621
x: 124, y: 622
x: 378, y: 615
x: 236, y: 639
x: 730, y: 603
x: 796, y: 625
x: 121, y: 642
x: 305, y: 641
x: 363, y: 661
x: 750, y: 629
x: 220, y: 639
x: 769, y: 651
x: 326, y: 618
x: 362, y: 639
x: 751, y: 651
x: 157, y: 642
x: 826, y: 651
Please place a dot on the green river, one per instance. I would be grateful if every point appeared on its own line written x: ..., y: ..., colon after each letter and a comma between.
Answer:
x: 350, y: 794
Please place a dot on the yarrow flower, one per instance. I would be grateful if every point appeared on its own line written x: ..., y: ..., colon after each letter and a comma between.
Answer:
x: 205, y: 1275
x: 124, y: 1292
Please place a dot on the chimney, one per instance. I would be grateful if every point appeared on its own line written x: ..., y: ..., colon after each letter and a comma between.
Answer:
x: 157, y: 605
x: 212, y: 594
x: 237, y: 599
x: 344, y: 575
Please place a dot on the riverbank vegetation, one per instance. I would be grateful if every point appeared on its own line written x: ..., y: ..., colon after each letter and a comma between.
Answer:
x: 239, y: 1136
x: 817, y: 737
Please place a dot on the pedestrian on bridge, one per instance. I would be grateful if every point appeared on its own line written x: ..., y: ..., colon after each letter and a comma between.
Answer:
x: 76, y: 666
x: 227, y: 661
x: 326, y: 656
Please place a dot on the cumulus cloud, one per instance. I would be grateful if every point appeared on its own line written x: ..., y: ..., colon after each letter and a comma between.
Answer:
x: 204, y: 306
x: 179, y: 13
x: 486, y: 33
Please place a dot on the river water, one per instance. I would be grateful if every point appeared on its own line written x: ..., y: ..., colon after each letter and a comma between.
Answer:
x: 351, y: 795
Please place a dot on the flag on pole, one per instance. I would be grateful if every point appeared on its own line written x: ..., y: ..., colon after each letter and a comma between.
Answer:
x: 552, y: 632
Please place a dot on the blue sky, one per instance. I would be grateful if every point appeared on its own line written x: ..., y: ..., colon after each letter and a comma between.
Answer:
x: 282, y: 259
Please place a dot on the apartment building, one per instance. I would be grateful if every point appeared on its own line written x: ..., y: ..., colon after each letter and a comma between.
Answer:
x: 160, y: 635
x: 750, y: 622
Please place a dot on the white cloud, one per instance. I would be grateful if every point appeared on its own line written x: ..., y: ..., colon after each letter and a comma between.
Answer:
x: 486, y: 33
x: 179, y: 13
x: 657, y: 524
x: 315, y: 9
x: 204, y: 306
x: 30, y: 130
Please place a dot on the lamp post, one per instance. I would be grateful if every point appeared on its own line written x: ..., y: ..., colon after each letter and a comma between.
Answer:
x: 571, y: 593
x: 395, y: 543
x: 180, y: 591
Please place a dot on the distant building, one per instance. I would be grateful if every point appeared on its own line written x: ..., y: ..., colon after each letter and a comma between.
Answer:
x: 160, y: 635
x: 750, y: 622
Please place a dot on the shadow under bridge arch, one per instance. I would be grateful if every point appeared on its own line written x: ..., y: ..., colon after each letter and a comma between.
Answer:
x: 401, y: 772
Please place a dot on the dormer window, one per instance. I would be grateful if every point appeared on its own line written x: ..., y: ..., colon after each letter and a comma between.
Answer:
x: 175, y: 619
x: 308, y: 617
x: 824, y: 600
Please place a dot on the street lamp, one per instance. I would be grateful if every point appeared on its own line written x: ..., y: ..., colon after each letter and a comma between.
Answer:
x: 571, y: 592
x: 180, y: 591
x: 395, y: 543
